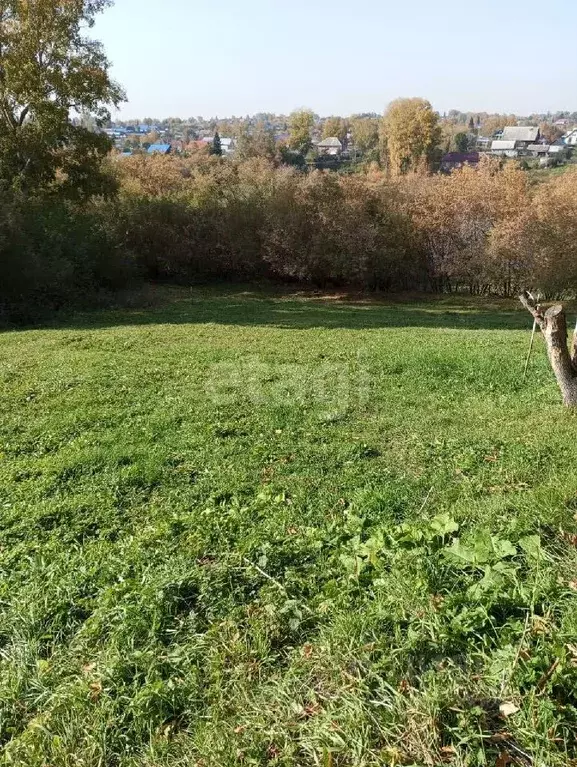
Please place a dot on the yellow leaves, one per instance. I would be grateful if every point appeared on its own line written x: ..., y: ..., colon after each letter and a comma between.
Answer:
x: 411, y: 131
x: 553, y: 234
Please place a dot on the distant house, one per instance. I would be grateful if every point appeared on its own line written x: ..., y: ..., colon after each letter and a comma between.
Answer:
x: 115, y: 132
x: 570, y: 138
x: 538, y: 150
x: 330, y: 146
x: 483, y: 142
x: 503, y: 148
x: 516, y: 140
x: 159, y: 149
x: 523, y: 136
x: 227, y: 145
x: 558, y: 149
x: 453, y: 160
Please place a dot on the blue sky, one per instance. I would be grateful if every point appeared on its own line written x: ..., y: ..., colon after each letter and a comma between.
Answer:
x: 185, y: 57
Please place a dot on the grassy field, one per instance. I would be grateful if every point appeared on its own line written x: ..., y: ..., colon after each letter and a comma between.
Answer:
x: 249, y: 529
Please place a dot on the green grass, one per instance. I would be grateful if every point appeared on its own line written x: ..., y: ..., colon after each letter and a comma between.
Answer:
x: 540, y: 175
x: 250, y: 529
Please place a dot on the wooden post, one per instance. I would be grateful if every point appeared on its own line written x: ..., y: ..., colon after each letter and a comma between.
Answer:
x: 553, y: 325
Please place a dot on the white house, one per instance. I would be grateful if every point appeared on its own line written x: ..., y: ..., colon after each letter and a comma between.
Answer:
x: 504, y: 148
x: 570, y: 138
x: 557, y: 150
x: 227, y: 145
x: 330, y: 146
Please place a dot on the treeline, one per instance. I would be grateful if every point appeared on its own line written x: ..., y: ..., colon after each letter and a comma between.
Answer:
x: 485, y: 230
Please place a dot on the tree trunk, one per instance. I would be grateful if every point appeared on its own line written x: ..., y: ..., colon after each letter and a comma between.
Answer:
x: 553, y: 326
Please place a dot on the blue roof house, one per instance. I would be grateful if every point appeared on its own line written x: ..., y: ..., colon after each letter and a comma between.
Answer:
x: 159, y: 148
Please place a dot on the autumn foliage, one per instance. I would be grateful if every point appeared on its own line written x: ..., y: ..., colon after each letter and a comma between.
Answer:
x: 483, y: 230
x: 202, y: 218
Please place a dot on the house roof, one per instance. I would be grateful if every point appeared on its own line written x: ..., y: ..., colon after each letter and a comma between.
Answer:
x: 541, y: 148
x: 498, y: 144
x: 223, y: 139
x: 331, y: 141
x: 526, y: 133
x: 159, y: 148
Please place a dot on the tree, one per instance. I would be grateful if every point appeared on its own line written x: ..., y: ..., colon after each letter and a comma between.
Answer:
x: 461, y: 142
x: 291, y: 157
x: 259, y: 142
x: 50, y: 70
x: 365, y: 132
x: 335, y: 126
x: 494, y: 123
x: 550, y: 240
x: 471, y: 125
x: 300, y: 126
x: 550, y: 132
x: 470, y: 222
x: 411, y: 133
x: 216, y: 148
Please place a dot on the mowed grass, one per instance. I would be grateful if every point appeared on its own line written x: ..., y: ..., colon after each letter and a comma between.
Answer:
x: 240, y: 528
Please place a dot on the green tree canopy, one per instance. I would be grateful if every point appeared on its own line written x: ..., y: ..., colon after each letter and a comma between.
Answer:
x: 50, y: 70
x: 258, y: 142
x: 300, y: 126
x: 461, y: 142
x: 365, y: 132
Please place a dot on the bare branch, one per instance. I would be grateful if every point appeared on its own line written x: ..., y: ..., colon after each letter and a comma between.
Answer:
x: 532, y: 307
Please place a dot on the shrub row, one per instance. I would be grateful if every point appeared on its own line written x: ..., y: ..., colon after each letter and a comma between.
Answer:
x: 486, y: 230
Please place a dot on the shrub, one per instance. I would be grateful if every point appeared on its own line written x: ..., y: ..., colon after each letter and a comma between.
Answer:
x: 53, y: 253
x: 326, y: 228
x: 187, y: 219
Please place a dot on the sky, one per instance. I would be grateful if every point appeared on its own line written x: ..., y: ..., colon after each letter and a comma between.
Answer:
x: 185, y: 58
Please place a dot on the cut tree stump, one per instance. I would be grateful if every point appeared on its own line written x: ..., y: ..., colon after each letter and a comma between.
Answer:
x: 553, y: 325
